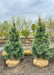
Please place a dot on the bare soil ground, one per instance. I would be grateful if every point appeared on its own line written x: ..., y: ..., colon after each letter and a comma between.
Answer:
x: 26, y: 67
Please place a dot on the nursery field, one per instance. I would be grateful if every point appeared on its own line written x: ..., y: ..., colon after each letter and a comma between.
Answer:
x: 26, y: 67
x: 26, y: 55
x: 26, y: 37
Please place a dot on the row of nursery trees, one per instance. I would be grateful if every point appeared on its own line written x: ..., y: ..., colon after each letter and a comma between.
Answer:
x: 24, y: 26
x: 13, y: 51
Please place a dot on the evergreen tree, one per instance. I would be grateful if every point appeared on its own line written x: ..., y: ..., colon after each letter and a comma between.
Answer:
x: 13, y: 48
x: 41, y: 43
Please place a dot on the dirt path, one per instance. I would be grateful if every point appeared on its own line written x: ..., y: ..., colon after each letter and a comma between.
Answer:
x: 52, y: 45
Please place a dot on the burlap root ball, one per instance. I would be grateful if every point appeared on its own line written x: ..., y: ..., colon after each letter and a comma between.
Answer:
x: 12, y: 63
x: 40, y: 62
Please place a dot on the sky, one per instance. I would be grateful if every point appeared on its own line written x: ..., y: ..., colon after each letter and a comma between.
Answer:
x: 27, y: 8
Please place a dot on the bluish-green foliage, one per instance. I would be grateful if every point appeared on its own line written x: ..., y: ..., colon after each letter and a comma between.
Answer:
x: 13, y: 47
x: 41, y: 43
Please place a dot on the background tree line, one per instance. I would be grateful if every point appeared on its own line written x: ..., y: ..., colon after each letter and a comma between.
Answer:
x: 24, y: 26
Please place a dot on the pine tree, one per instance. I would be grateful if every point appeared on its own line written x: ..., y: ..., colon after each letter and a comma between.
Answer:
x: 41, y: 44
x: 13, y: 47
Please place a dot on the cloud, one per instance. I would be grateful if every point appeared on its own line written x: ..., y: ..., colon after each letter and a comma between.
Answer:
x: 28, y: 8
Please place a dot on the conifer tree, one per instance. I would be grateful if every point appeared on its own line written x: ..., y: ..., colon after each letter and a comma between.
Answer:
x: 41, y: 44
x: 13, y: 47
